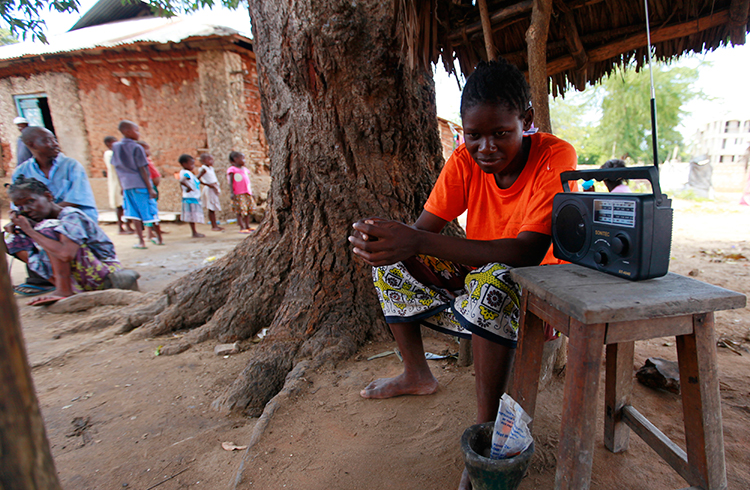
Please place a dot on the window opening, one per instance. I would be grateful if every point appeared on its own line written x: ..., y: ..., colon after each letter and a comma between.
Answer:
x: 35, y: 108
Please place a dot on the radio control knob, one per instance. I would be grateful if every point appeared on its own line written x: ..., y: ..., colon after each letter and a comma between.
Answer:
x: 601, y: 258
x: 620, y: 244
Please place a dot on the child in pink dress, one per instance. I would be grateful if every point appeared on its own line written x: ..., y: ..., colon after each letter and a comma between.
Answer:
x: 242, y: 193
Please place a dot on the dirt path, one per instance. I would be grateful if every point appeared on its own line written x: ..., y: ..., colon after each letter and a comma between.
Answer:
x: 143, y: 418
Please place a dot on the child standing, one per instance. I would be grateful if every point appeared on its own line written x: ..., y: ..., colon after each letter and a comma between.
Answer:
x: 242, y: 193
x: 506, y: 181
x: 210, y: 190
x: 129, y: 159
x: 192, y: 212
x: 115, y: 189
x: 154, y: 231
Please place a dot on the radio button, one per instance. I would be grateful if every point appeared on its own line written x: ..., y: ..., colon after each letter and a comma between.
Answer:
x: 601, y: 258
x: 620, y: 244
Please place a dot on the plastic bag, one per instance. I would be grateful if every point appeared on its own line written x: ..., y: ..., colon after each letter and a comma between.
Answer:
x: 511, y: 435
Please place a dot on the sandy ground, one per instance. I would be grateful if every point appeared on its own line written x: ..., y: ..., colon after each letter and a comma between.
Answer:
x: 145, y: 420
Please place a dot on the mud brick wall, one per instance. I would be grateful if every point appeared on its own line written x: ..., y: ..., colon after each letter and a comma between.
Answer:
x: 185, y: 100
x: 258, y: 147
x: 446, y: 136
x: 62, y: 91
x: 231, y: 105
x: 160, y: 92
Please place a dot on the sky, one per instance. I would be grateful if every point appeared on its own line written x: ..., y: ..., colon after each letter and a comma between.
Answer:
x: 726, y: 81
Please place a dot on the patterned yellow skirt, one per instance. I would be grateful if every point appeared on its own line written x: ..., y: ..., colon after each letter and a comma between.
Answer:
x: 451, y: 298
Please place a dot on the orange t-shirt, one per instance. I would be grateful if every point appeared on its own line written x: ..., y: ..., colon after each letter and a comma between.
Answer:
x: 495, y: 213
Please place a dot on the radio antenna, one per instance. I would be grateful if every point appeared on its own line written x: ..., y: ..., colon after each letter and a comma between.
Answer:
x: 653, y: 92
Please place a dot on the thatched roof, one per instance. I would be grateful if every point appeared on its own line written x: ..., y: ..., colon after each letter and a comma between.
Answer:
x: 587, y: 38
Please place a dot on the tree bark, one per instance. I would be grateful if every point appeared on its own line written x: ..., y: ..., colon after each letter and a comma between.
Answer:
x: 352, y: 133
x: 25, y: 459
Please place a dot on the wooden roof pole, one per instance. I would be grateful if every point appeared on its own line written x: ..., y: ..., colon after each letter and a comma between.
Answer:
x: 25, y: 461
x: 536, y: 40
x: 484, y: 15
x: 738, y: 10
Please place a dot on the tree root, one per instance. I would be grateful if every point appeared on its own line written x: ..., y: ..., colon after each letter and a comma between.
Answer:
x: 143, y: 315
x: 125, y: 319
x: 92, y: 299
x: 261, y: 379
x: 94, y: 323
x: 292, y: 386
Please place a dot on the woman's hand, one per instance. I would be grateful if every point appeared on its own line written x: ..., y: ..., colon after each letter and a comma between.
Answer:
x: 10, y: 227
x: 21, y: 222
x: 383, y: 242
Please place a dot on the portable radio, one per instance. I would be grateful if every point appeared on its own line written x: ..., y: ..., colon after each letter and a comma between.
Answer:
x: 627, y: 235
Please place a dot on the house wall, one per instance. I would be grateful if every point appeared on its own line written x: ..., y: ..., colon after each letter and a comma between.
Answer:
x: 232, y: 116
x: 258, y: 147
x: 65, y: 107
x: 184, y: 100
x: 448, y: 131
x: 157, y: 91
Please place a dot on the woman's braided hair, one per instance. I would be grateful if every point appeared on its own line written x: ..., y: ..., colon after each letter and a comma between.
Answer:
x: 28, y: 184
x: 496, y: 82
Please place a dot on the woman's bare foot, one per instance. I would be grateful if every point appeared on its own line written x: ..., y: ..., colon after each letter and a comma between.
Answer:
x: 198, y: 235
x: 400, y: 385
x: 217, y: 228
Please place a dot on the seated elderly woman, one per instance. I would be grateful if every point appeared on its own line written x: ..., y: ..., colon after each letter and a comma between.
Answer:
x: 62, y: 244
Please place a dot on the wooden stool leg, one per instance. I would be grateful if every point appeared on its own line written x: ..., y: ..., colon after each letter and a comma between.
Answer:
x: 617, y: 390
x: 528, y: 360
x: 575, y: 453
x: 701, y: 404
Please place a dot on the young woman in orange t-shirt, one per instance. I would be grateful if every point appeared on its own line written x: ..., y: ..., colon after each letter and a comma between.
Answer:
x: 505, y: 179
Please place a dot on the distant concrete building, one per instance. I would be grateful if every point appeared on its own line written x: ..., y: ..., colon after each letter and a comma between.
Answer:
x: 724, y: 143
x: 191, y: 87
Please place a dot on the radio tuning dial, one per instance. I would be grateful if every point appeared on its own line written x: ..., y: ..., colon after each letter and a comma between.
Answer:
x: 601, y: 258
x: 620, y: 244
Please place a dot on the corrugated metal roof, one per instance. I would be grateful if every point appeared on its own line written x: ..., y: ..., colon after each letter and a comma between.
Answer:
x: 157, y: 30
x: 105, y: 11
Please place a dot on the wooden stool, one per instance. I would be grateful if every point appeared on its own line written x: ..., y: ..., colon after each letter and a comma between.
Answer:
x: 594, y: 309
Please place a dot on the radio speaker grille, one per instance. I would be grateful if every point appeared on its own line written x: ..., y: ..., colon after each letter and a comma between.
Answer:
x: 570, y: 228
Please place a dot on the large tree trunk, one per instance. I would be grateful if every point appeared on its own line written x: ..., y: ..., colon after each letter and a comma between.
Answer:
x: 25, y: 458
x: 352, y: 133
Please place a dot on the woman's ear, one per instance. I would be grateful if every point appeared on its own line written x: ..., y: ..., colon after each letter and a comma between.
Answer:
x: 528, y: 118
x: 49, y: 196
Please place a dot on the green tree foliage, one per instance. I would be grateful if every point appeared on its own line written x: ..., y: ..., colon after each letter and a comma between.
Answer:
x: 569, y: 117
x: 24, y: 17
x: 7, y: 38
x: 170, y: 7
x: 621, y: 103
x: 626, y: 110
